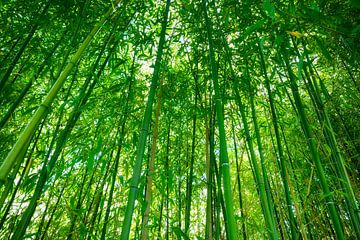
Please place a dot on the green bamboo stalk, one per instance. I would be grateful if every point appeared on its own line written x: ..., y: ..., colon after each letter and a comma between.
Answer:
x: 312, y: 144
x: 144, y: 131
x: 192, y: 158
x: 160, y: 217
x: 45, y: 106
x: 283, y: 172
x: 167, y: 166
x: 179, y: 172
x: 261, y: 181
x: 265, y: 176
x: 216, y: 180
x: 232, y: 229
x: 306, y: 222
x: 47, y: 206
x: 12, y: 65
x: 149, y: 178
x: 47, y: 168
x: 25, y: 90
x: 97, y: 199
x: 16, y: 40
x: 9, y: 184
x: 209, y: 219
x: 30, y: 158
x: 220, y: 196
x: 239, y: 183
x: 79, y: 197
x: 13, y: 106
x: 336, y: 154
x: 117, y: 156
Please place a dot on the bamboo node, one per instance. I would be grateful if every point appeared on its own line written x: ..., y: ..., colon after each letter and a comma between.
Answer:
x: 45, y: 106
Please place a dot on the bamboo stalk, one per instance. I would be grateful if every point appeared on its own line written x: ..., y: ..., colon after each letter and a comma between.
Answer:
x: 144, y: 131
x: 45, y: 106
x: 232, y: 229
x: 312, y: 144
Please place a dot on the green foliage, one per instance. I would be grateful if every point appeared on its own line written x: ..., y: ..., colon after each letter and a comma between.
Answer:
x: 273, y: 87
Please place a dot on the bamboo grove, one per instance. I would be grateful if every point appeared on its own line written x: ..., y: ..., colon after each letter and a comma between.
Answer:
x: 179, y: 119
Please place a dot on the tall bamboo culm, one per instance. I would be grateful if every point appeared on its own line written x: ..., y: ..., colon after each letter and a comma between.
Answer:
x: 134, y: 188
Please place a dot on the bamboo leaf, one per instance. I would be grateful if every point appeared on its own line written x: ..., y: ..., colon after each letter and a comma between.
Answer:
x: 269, y: 9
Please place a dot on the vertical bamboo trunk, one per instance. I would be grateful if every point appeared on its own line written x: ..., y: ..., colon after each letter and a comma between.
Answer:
x: 220, y: 205
x: 306, y: 223
x: 179, y: 172
x: 192, y: 160
x: 160, y: 218
x: 117, y: 156
x: 149, y: 178
x: 98, y: 196
x: 216, y: 192
x: 263, y: 168
x: 167, y: 169
x: 312, y: 144
x: 336, y: 154
x: 133, y: 191
x: 232, y: 229
x: 289, y: 202
x: 209, y: 219
x: 261, y: 181
x: 243, y: 227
